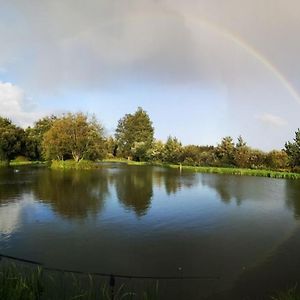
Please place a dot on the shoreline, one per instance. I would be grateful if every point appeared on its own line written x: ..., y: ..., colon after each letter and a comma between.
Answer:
x: 89, y: 165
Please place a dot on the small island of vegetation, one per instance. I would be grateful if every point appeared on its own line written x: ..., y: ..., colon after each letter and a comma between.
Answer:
x: 78, y: 141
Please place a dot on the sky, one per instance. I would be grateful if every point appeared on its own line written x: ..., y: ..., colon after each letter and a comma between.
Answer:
x: 202, y: 69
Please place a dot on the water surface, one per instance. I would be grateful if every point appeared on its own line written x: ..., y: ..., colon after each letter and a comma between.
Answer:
x: 142, y: 220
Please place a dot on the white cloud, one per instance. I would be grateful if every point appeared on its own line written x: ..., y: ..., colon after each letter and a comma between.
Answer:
x: 272, y: 120
x: 15, y: 105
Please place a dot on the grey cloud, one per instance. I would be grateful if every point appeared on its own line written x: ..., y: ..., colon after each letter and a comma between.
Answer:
x: 104, y: 44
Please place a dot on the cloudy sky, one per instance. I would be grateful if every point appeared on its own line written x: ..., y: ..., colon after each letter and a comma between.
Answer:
x: 202, y: 69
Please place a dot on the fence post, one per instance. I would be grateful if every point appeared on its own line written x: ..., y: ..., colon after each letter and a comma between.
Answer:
x: 112, y: 283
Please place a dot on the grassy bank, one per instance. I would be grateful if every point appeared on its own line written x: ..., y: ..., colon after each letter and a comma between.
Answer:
x: 88, y: 165
x: 19, y: 282
x: 237, y: 171
x: 4, y: 163
x: 73, y: 165
x: 126, y: 161
x: 35, y: 283
x: 26, y: 163
x: 216, y: 170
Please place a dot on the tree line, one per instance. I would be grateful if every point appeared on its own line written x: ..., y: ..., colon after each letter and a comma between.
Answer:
x: 78, y: 136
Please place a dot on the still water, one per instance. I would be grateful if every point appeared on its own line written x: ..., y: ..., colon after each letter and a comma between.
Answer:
x: 151, y: 221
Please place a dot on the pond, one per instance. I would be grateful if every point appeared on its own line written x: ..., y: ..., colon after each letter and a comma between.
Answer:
x: 153, y: 221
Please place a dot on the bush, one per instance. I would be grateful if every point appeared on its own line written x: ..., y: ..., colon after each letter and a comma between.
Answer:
x: 21, y: 158
x: 72, y: 164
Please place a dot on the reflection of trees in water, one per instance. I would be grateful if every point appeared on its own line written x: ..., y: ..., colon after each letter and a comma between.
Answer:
x: 73, y: 194
x: 134, y: 188
x: 134, y: 185
x: 175, y: 180
x: 239, y: 188
x: 222, y: 185
x: 292, y: 190
x: 13, y: 184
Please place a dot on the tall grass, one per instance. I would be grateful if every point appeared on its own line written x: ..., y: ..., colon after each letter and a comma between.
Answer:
x: 73, y: 165
x: 289, y: 294
x: 215, y: 170
x: 238, y: 171
x: 16, y: 284
x: 34, y: 283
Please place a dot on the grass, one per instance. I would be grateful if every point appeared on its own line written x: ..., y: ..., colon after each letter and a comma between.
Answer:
x: 289, y: 294
x: 73, y: 165
x: 34, y: 283
x: 4, y: 163
x: 25, y: 163
x: 215, y: 170
x: 20, y: 285
x: 126, y: 161
x: 238, y: 171
x: 87, y: 165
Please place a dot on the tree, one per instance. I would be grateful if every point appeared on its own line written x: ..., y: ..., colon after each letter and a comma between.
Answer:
x: 76, y: 136
x: 34, y: 137
x: 134, y: 135
x: 225, y: 151
x: 11, y: 140
x: 242, y: 154
x: 156, y: 152
x: 197, y: 155
x: 293, y: 150
x: 277, y: 159
x: 111, y: 147
x: 172, y: 150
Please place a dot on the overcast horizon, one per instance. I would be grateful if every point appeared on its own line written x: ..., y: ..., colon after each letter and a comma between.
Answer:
x: 202, y: 69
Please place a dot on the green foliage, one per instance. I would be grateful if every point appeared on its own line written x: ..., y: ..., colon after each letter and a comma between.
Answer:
x: 238, y: 171
x: 277, y: 159
x: 72, y: 164
x: 156, y: 152
x: 172, y: 150
x: 74, y: 136
x: 242, y: 154
x: 225, y: 151
x: 17, y: 284
x: 198, y: 155
x: 134, y: 135
x: 293, y: 150
x: 35, y: 135
x: 11, y: 140
x: 78, y: 137
x: 111, y: 147
x: 290, y: 294
x: 35, y: 283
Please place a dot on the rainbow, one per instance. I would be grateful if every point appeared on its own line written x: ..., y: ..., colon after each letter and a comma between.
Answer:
x: 234, y: 38
x: 226, y: 34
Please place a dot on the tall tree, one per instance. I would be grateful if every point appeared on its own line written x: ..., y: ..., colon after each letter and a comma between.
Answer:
x: 242, y: 154
x: 34, y: 137
x: 134, y: 135
x: 76, y: 136
x: 225, y: 151
x: 293, y: 150
x: 11, y: 140
x: 173, y: 150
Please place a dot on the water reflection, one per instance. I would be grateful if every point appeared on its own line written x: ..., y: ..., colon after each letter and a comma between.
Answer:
x: 292, y: 190
x: 186, y: 225
x: 134, y: 187
x: 241, y: 188
x: 72, y: 194
x: 13, y: 183
x: 174, y: 180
